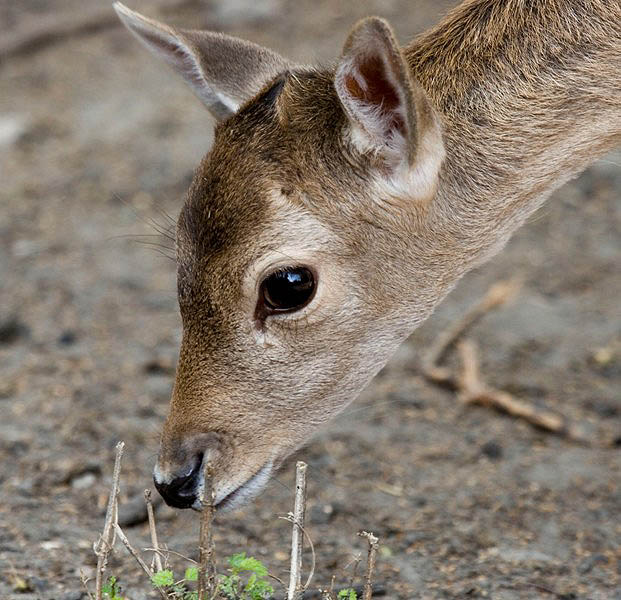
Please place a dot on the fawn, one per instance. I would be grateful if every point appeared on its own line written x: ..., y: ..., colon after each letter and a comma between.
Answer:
x: 339, y: 206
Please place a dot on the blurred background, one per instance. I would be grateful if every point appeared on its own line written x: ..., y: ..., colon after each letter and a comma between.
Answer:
x: 98, y: 142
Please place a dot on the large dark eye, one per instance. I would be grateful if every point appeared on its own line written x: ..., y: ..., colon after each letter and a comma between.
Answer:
x: 287, y: 290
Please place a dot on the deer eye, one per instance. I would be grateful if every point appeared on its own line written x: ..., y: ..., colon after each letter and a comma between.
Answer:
x: 287, y: 290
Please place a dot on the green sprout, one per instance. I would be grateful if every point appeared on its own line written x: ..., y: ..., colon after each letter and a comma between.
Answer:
x: 111, y: 589
x: 246, y: 581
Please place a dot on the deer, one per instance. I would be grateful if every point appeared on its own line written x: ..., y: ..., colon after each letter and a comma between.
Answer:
x: 339, y: 205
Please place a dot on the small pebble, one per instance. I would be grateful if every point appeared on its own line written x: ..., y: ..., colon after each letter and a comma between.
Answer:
x: 84, y: 481
x: 67, y: 338
x: 492, y: 449
x: 12, y: 128
x: 11, y: 329
x: 321, y: 514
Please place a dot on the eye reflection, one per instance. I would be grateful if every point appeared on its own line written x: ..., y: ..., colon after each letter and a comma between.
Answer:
x: 287, y: 290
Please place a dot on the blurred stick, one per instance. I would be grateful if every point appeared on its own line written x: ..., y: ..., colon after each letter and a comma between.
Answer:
x: 137, y: 557
x: 368, y: 578
x: 206, y: 569
x: 103, y: 546
x: 473, y: 390
x: 469, y: 384
x: 134, y: 553
x: 496, y: 296
x: 156, y: 553
x: 356, y: 561
x: 85, y: 581
x: 297, y: 536
x: 311, y: 572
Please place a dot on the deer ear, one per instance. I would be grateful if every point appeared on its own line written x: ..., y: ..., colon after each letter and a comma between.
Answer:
x: 223, y: 71
x: 388, y: 111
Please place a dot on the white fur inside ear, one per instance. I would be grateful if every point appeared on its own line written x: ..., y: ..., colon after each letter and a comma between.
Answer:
x: 372, y: 125
x: 418, y: 181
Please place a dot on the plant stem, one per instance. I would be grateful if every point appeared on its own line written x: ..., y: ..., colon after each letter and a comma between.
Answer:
x: 156, y: 553
x: 206, y: 570
x: 368, y: 587
x: 104, y: 544
x: 297, y: 537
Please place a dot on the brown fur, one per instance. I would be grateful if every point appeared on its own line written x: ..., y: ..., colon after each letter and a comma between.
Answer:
x: 525, y: 93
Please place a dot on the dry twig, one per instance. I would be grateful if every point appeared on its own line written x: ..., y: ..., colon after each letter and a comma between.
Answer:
x: 103, y: 546
x: 85, y: 581
x: 495, y: 297
x: 156, y: 551
x: 206, y: 567
x: 356, y: 562
x: 470, y: 387
x: 473, y: 390
x: 297, y: 537
x: 164, y: 553
x: 368, y: 578
x: 311, y: 573
x: 134, y: 553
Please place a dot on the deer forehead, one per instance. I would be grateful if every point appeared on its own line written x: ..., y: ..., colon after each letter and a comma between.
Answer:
x: 227, y: 245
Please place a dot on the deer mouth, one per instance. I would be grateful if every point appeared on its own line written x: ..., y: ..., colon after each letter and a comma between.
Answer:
x: 242, y: 494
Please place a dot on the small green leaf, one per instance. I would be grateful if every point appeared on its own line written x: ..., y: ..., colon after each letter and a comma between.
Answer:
x: 260, y: 590
x: 111, y: 590
x: 228, y: 586
x: 348, y: 594
x: 191, y: 574
x: 162, y: 578
x: 240, y: 562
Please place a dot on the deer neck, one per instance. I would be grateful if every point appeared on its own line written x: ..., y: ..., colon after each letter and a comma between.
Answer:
x: 529, y: 94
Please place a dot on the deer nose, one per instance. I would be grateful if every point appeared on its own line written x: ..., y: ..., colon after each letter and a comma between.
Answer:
x: 180, y: 491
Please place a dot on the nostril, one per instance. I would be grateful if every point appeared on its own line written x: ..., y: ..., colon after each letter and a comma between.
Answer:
x: 186, y: 484
x: 181, y: 491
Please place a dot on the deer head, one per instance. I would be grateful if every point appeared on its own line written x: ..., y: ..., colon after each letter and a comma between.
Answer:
x: 317, y: 234
x: 290, y: 276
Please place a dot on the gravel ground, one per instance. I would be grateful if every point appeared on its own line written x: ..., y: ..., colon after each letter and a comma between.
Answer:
x: 97, y: 145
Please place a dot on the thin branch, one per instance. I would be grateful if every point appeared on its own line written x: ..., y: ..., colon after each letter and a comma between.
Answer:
x: 151, y: 516
x: 311, y: 573
x: 206, y: 568
x: 168, y: 551
x: 356, y: 562
x: 495, y: 297
x: 139, y: 560
x: 103, y: 546
x: 276, y: 578
x: 85, y: 581
x: 473, y: 390
x: 469, y: 384
x: 368, y: 579
x: 297, y: 536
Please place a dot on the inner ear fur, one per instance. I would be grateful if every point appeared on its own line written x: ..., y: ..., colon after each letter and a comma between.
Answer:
x: 223, y: 71
x: 388, y: 110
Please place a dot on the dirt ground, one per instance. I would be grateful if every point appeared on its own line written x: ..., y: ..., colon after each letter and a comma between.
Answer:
x: 97, y: 141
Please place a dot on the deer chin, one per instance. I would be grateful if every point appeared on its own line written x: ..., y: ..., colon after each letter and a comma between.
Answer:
x: 232, y: 495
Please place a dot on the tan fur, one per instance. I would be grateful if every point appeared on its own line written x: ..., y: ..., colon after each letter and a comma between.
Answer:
x: 500, y: 104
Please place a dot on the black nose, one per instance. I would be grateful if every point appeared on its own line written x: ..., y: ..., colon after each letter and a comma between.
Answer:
x: 182, y: 491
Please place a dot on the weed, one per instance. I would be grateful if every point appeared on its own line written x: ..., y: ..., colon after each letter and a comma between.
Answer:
x: 111, y: 590
x: 247, y: 580
x: 255, y: 588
